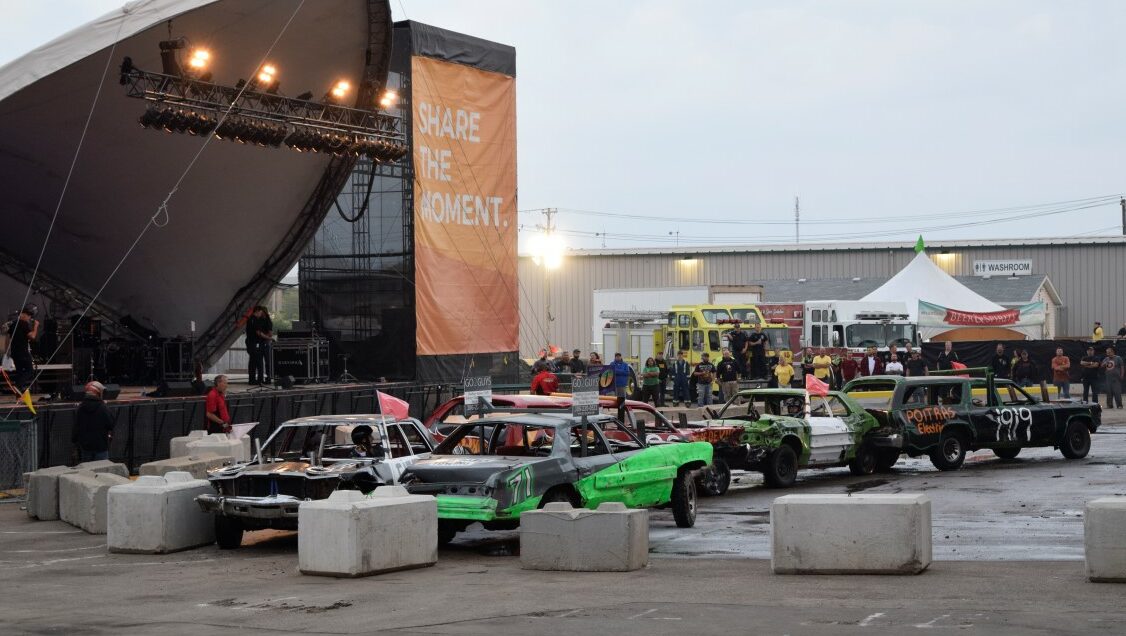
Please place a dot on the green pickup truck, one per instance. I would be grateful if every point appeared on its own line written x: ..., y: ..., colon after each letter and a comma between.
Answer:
x: 944, y: 417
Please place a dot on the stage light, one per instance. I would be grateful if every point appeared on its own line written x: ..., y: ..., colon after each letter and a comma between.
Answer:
x: 340, y: 89
x: 306, y: 96
x: 199, y: 59
x: 389, y: 99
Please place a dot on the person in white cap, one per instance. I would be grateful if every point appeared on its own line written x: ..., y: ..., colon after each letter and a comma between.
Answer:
x: 93, y: 425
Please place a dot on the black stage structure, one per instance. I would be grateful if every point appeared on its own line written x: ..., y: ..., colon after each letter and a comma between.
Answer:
x: 357, y: 276
x: 240, y: 217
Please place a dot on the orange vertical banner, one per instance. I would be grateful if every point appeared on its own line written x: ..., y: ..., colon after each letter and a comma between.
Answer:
x: 464, y: 145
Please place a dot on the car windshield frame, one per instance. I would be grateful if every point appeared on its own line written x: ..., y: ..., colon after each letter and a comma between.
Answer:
x: 453, y: 444
x: 750, y: 398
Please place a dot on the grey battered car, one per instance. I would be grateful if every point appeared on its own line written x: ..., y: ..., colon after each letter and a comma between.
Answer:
x: 306, y: 459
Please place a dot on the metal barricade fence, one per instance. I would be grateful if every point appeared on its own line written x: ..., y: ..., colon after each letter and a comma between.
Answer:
x: 18, y: 455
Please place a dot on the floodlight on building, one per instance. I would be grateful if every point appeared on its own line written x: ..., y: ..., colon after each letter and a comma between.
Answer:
x: 340, y: 89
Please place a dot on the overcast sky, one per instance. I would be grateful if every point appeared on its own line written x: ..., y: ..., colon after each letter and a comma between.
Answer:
x: 867, y: 109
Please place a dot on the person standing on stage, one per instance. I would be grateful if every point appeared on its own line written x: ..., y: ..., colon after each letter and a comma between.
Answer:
x: 93, y: 425
x: 947, y: 357
x: 218, y: 417
x: 259, y: 332
x: 21, y: 333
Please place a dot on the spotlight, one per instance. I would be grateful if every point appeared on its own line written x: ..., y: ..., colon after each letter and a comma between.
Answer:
x: 306, y: 96
x: 127, y: 69
x: 389, y: 99
x: 199, y: 59
x: 340, y: 90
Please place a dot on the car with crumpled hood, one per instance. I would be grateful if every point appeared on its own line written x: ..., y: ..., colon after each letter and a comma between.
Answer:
x: 306, y: 459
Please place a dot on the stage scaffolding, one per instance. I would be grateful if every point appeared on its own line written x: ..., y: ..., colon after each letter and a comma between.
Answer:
x: 356, y: 276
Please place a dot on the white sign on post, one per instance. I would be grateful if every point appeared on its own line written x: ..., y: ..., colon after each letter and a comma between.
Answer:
x: 1003, y: 268
x: 475, y: 390
x: 584, y: 395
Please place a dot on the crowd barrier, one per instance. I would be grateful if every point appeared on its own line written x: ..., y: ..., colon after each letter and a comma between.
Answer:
x: 145, y: 427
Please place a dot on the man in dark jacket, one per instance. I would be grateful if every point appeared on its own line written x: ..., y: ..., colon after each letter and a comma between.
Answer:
x: 93, y: 425
x: 1000, y: 363
x: 947, y: 357
x: 1025, y: 371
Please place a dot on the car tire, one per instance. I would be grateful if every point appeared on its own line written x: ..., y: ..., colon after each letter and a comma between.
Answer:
x: 885, y: 459
x: 1007, y: 453
x: 950, y: 453
x: 228, y: 532
x: 715, y: 479
x: 781, y: 469
x: 1076, y: 442
x: 684, y: 499
x: 865, y: 461
x: 446, y: 533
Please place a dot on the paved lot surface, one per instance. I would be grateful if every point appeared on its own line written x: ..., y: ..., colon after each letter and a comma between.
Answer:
x: 1000, y: 530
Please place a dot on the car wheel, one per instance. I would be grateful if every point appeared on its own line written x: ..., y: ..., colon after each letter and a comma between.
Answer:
x: 885, y: 459
x: 446, y: 533
x: 865, y: 461
x: 781, y: 467
x: 1076, y: 441
x: 950, y: 453
x: 715, y: 479
x: 228, y: 532
x: 684, y: 499
x: 1006, y: 453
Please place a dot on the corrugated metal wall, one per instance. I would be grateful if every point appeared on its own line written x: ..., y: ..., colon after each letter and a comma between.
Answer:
x: 1088, y: 276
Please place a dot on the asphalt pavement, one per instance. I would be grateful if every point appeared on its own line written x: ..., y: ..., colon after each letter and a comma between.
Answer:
x: 1007, y: 545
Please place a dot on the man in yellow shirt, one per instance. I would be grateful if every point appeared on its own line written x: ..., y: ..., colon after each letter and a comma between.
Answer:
x: 821, y: 365
x: 1097, y: 334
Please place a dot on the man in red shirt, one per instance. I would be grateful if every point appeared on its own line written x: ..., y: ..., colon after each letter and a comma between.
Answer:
x: 218, y: 418
x: 545, y: 382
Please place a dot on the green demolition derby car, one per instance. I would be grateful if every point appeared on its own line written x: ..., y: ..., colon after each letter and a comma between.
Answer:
x: 495, y: 468
x: 784, y: 430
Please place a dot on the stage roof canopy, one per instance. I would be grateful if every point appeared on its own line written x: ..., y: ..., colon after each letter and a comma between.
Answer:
x: 240, y: 217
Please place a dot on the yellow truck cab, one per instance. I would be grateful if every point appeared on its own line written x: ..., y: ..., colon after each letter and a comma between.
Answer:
x: 699, y: 329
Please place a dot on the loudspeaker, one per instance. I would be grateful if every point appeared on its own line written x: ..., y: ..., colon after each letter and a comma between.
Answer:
x: 175, y: 389
x: 202, y: 386
x: 111, y: 392
x: 285, y: 382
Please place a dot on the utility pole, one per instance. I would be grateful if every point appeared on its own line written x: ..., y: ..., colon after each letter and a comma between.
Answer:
x: 1122, y: 202
x: 677, y: 235
x: 548, y: 229
x: 797, y: 220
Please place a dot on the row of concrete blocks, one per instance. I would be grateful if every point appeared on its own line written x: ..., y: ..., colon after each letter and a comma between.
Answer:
x: 201, y: 442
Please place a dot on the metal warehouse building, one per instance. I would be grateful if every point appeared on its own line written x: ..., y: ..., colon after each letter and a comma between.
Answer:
x: 1081, y: 279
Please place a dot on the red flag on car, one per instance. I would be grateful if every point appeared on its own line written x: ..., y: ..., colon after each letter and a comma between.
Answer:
x: 815, y: 386
x: 393, y: 406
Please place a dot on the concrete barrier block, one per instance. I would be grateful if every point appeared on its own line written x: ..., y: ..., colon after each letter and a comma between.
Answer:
x: 220, y: 444
x: 612, y: 538
x: 857, y: 534
x: 350, y: 535
x: 196, y: 465
x: 82, y: 499
x: 1104, y: 533
x: 158, y: 514
x: 179, y: 445
x: 43, y: 492
x: 104, y: 466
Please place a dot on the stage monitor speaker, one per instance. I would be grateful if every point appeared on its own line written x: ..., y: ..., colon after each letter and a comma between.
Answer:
x: 175, y: 389
x: 111, y: 392
x: 202, y: 386
x: 286, y: 382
